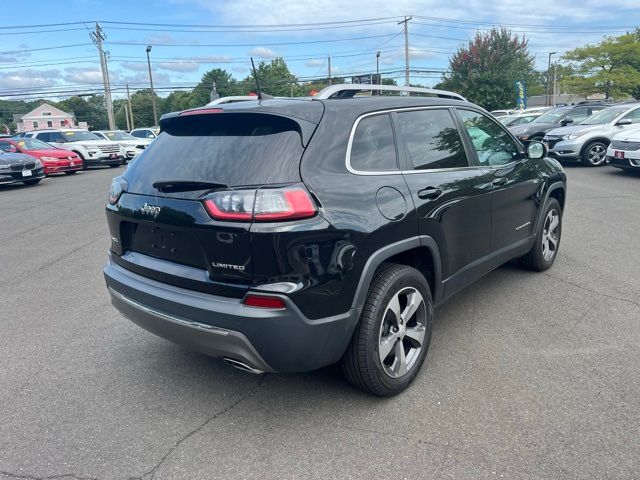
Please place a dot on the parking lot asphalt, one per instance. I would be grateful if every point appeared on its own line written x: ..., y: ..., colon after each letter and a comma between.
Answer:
x: 529, y: 375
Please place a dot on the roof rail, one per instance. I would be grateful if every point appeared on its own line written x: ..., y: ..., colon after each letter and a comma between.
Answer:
x: 348, y: 90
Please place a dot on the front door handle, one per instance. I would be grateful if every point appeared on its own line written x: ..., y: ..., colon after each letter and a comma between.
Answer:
x: 429, y: 193
x: 499, y: 181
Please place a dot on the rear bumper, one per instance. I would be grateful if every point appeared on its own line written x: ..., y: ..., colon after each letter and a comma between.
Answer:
x: 268, y: 340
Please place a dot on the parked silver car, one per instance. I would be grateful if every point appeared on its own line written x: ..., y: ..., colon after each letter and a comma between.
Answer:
x: 588, y: 141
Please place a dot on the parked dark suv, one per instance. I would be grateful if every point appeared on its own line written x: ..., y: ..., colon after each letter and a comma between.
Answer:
x: 285, y: 235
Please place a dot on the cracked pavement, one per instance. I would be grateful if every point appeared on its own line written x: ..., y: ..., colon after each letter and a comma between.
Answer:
x: 528, y: 375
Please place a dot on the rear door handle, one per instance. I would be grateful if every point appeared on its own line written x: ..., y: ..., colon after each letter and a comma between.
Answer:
x: 499, y: 181
x: 429, y: 193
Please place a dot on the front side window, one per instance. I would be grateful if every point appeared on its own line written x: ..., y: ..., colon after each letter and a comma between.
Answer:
x: 373, y: 148
x: 44, y: 136
x: 432, y: 139
x: 54, y: 137
x: 577, y: 115
x: 492, y: 144
x: 137, y: 134
x: 634, y: 116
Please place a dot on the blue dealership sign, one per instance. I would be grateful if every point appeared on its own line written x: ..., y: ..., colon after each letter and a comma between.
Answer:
x: 521, y: 94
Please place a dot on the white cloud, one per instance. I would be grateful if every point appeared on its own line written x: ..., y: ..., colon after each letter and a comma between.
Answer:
x: 262, y: 52
x: 83, y: 75
x: 314, y: 62
x: 28, y: 79
x: 178, y: 66
x: 135, y: 66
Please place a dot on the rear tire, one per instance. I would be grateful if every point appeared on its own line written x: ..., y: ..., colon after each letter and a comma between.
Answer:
x: 595, y: 154
x: 392, y: 338
x: 547, y: 242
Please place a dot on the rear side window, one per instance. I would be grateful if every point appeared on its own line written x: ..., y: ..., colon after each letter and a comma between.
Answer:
x: 432, y: 139
x: 229, y: 148
x: 373, y: 148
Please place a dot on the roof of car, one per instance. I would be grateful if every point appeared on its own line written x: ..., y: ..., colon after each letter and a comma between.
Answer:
x: 311, y: 109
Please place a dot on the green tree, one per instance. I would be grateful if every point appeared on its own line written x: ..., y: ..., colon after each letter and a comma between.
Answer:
x: 87, y: 109
x: 485, y: 70
x: 274, y: 77
x: 611, y: 67
x: 225, y: 85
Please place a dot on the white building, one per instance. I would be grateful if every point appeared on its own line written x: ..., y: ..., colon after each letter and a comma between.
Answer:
x: 44, y: 116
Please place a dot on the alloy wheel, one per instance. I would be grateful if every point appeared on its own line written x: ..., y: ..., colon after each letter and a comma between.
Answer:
x: 597, y: 154
x: 551, y: 235
x: 402, y: 332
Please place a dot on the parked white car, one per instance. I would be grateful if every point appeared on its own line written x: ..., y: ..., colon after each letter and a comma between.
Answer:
x: 92, y: 150
x: 130, y: 146
x: 624, y: 150
x: 151, y: 132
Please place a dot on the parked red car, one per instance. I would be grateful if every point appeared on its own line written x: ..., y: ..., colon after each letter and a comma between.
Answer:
x: 55, y: 160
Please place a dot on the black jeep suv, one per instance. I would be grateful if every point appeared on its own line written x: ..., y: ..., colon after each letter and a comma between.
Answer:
x: 284, y: 235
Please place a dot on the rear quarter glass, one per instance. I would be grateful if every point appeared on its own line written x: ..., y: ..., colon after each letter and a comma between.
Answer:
x: 235, y: 149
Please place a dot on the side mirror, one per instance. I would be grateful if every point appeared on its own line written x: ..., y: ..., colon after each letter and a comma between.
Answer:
x: 536, y: 150
x: 566, y: 122
x: 624, y: 122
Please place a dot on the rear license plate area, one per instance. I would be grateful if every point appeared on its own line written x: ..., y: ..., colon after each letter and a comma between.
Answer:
x: 162, y: 242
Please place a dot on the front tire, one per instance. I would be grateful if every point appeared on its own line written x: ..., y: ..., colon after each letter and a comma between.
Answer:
x: 71, y: 172
x: 35, y: 181
x: 545, y: 247
x: 84, y: 162
x: 392, y: 338
x: 595, y: 154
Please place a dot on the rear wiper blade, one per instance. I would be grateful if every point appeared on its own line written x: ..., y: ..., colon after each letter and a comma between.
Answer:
x: 186, y: 185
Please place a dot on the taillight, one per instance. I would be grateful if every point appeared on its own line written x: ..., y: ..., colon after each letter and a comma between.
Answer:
x: 264, y: 205
x: 118, y: 187
x: 262, y: 301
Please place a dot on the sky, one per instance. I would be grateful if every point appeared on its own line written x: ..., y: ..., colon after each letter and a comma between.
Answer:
x: 40, y: 58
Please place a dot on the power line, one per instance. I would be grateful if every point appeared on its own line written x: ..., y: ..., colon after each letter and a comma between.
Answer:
x: 272, y: 44
x: 45, y: 48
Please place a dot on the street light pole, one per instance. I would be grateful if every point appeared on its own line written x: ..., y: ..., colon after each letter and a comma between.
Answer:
x: 153, y: 95
x: 378, y: 68
x: 547, y: 100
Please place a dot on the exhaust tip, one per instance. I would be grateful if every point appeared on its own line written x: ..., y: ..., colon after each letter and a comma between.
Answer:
x: 242, y: 366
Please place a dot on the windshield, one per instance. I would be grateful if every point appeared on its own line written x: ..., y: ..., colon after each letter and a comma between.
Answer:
x: 552, y: 116
x: 79, y: 135
x: 605, y: 116
x: 28, y: 144
x: 119, y: 136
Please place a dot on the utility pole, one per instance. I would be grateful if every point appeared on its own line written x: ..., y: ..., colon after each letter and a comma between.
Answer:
x: 329, y: 66
x: 553, y: 98
x: 378, y: 79
x: 406, y: 49
x: 546, y: 100
x: 126, y: 116
x: 153, y: 95
x: 130, y: 109
x: 97, y: 37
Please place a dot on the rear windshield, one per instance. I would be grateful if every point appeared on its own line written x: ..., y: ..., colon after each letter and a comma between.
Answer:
x: 230, y: 148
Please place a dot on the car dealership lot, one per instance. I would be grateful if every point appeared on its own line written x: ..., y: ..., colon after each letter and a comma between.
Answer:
x: 528, y: 376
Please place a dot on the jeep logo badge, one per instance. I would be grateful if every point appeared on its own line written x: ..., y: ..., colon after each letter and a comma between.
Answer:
x: 150, y: 210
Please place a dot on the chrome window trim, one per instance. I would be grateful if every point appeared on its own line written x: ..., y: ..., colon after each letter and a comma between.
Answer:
x: 354, y: 171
